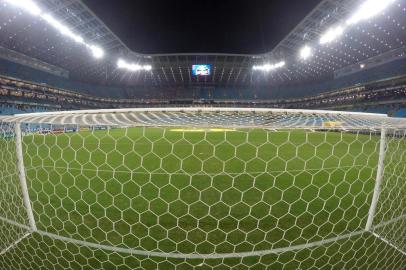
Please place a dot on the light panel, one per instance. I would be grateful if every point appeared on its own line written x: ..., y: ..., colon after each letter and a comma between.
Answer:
x: 33, y: 8
x: 62, y: 28
x: 97, y: 52
x: 369, y: 9
x: 27, y: 5
x: 122, y: 64
x: 269, y: 67
x: 306, y: 52
x: 331, y: 34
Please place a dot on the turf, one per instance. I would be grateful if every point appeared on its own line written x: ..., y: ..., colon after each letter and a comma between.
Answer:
x: 112, y: 186
x: 159, y: 189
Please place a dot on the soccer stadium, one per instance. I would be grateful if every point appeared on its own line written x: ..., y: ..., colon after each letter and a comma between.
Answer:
x: 289, y: 158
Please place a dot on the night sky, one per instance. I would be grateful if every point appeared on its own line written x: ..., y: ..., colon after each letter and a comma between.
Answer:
x: 216, y: 26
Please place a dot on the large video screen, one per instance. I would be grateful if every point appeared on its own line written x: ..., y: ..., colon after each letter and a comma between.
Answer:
x: 201, y: 70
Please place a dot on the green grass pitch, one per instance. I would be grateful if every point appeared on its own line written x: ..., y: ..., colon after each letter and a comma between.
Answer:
x: 158, y: 189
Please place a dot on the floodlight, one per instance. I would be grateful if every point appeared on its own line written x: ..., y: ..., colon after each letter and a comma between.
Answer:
x: 27, y: 5
x: 369, y: 9
x: 62, y: 28
x: 121, y: 63
x: 53, y: 22
x: 269, y: 67
x: 31, y: 7
x: 263, y: 68
x: 332, y: 34
x: 78, y: 39
x: 280, y: 64
x: 96, y: 51
x: 305, y: 52
x: 132, y: 67
x: 257, y: 67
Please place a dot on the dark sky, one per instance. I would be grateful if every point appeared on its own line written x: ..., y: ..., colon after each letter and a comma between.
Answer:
x: 217, y: 26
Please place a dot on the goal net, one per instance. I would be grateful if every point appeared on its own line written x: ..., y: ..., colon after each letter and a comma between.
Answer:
x: 202, y: 188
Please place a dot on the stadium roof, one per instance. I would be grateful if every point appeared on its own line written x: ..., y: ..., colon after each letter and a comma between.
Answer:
x: 209, y: 26
x: 358, y: 41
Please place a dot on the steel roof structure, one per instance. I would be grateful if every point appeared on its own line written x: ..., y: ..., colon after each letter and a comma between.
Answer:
x: 32, y: 36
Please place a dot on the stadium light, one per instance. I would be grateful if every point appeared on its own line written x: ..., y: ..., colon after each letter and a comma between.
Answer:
x: 369, y: 9
x: 97, y: 52
x: 62, y: 28
x: 132, y: 67
x: 305, y: 52
x: 269, y: 67
x: 32, y: 8
x: 27, y: 5
x: 331, y: 34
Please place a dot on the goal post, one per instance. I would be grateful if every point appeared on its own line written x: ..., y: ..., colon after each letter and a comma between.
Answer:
x: 209, y: 188
x: 21, y: 176
x: 16, y: 221
x: 378, y: 182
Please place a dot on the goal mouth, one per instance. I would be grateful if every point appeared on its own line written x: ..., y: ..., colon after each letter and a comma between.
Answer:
x: 204, y: 183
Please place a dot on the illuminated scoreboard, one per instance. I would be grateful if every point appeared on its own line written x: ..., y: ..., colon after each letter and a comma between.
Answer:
x: 201, y: 70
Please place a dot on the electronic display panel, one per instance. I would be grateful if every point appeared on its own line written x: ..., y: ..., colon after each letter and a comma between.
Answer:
x: 201, y: 70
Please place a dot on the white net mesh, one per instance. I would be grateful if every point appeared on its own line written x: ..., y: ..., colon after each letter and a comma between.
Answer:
x: 202, y: 189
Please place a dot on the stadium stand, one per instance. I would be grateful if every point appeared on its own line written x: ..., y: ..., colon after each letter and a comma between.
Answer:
x: 400, y: 113
x: 378, y: 89
x: 282, y: 91
x: 10, y: 109
x: 385, y: 96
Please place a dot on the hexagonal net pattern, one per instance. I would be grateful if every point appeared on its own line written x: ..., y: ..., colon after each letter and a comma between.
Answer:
x: 202, y: 189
